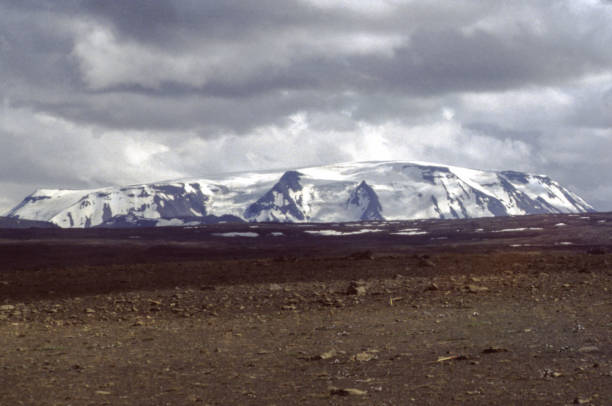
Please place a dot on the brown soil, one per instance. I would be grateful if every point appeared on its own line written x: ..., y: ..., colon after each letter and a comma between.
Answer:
x: 175, y: 317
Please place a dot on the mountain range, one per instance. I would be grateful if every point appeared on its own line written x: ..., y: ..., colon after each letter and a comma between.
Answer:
x: 355, y: 191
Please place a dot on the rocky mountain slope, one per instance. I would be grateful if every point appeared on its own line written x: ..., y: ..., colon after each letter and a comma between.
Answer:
x: 388, y: 190
x: 12, y: 222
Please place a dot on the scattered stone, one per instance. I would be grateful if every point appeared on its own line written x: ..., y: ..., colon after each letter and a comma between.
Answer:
x: 289, y: 307
x: 582, y: 401
x: 356, y: 288
x: 275, y: 287
x: 103, y: 392
x: 7, y: 308
x: 335, y: 302
x: 347, y: 392
x: 432, y: 287
x: 89, y: 310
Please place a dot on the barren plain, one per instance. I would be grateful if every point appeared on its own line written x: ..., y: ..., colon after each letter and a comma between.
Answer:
x: 512, y: 311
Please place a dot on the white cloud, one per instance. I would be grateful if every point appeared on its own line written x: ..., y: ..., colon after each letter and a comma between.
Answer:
x: 106, y: 61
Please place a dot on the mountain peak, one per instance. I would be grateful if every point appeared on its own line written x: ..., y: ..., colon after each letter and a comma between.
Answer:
x: 349, y: 191
x: 281, y: 203
x: 365, y: 199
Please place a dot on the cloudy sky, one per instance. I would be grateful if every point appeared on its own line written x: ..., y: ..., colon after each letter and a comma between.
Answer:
x: 108, y: 92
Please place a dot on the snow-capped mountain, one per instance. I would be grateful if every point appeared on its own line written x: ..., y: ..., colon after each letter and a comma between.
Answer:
x: 390, y: 190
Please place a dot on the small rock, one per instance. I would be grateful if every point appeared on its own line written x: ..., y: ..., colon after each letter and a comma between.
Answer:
x: 102, y: 392
x: 581, y: 401
x: 89, y: 310
x: 452, y: 358
x: 588, y: 349
x: 326, y: 355
x: 347, y: 392
x: 549, y: 373
x: 425, y: 262
x: 392, y: 300
x: 7, y: 308
x: 275, y: 287
x: 476, y: 288
x: 289, y: 307
x: 493, y: 350
x: 356, y: 288
x: 432, y: 287
x: 365, y: 356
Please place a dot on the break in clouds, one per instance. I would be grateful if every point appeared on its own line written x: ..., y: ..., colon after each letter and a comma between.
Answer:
x: 104, y: 92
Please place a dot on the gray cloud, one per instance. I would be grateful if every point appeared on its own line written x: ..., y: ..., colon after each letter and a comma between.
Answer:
x: 203, y: 86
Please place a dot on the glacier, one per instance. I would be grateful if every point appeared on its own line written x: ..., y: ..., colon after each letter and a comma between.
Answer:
x: 353, y: 191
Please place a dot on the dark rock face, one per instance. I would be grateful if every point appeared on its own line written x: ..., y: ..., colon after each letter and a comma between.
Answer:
x: 280, y: 192
x: 517, y: 177
x: 182, y: 204
x: 127, y: 221
x: 365, y: 196
x: 430, y: 173
x: 130, y: 221
x: 12, y: 222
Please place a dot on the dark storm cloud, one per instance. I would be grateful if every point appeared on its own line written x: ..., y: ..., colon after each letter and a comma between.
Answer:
x: 223, y: 72
x: 429, y: 58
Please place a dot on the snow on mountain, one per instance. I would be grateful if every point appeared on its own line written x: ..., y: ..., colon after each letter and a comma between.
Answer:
x: 388, y: 190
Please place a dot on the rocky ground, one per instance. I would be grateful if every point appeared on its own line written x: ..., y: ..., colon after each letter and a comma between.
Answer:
x: 507, y: 319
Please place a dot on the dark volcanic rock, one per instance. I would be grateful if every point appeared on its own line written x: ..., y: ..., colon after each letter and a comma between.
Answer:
x: 11, y: 222
x: 366, y: 198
